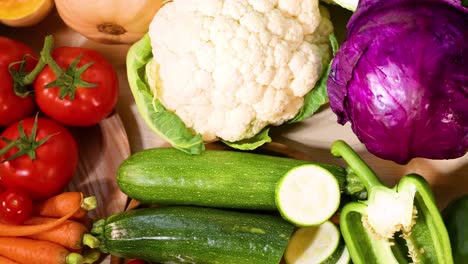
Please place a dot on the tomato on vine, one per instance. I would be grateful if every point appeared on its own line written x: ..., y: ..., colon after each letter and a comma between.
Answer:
x: 136, y: 261
x: 37, y: 155
x: 78, y: 87
x: 14, y: 104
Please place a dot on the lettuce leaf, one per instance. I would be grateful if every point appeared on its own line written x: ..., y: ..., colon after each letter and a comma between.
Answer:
x: 164, y: 123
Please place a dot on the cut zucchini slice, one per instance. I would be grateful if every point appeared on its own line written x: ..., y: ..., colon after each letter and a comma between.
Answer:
x: 307, y: 195
x: 345, y: 258
x: 313, y: 244
x: 340, y: 256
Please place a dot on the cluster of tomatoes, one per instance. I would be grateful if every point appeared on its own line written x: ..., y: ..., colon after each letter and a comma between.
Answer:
x: 74, y: 86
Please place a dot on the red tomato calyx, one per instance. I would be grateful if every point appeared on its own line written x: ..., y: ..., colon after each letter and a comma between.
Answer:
x: 26, y: 144
x: 20, y: 87
x: 70, y: 79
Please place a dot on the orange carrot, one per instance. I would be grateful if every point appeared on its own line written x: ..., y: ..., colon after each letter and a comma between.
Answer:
x: 27, y: 230
x: 70, y: 234
x: 4, y: 260
x: 30, y: 251
x: 61, y: 204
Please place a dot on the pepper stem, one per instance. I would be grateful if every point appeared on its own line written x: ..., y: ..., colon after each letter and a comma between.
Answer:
x: 341, y: 149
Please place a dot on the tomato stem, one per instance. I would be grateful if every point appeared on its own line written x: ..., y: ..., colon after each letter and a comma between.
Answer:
x: 47, y: 49
x: 22, y: 79
x: 46, y: 55
x: 67, y: 80
x: 25, y: 144
x: 11, y: 144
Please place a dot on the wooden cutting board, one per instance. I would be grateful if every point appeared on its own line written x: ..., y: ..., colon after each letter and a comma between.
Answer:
x: 102, y: 148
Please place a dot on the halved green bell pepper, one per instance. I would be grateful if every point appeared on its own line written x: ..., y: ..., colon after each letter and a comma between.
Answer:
x: 456, y: 219
x: 394, y: 225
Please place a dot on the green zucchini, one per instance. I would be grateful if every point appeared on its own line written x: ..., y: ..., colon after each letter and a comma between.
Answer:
x: 215, y: 178
x: 182, y: 234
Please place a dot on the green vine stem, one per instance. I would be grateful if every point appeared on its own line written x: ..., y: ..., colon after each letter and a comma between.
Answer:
x: 67, y: 80
x: 23, y: 79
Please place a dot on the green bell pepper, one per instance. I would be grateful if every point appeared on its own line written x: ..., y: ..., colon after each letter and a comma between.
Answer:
x: 456, y: 219
x: 394, y: 225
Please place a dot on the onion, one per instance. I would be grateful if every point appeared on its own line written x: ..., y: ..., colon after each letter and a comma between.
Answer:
x: 109, y: 21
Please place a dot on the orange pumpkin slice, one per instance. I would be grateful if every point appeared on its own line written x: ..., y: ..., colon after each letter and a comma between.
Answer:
x: 23, y: 13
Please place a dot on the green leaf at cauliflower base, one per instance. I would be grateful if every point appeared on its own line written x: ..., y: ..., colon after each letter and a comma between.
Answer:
x: 318, y: 96
x: 165, y: 123
x: 251, y: 143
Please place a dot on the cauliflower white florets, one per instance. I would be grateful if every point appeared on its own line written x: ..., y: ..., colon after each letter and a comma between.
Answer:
x: 229, y: 68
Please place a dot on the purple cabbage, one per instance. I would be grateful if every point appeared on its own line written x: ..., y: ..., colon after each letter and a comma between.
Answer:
x: 401, y: 78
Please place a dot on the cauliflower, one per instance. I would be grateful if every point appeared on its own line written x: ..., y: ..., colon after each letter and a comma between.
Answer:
x: 230, y: 68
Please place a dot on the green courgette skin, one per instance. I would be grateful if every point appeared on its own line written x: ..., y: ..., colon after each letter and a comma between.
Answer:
x: 181, y: 234
x: 456, y: 221
x: 224, y: 179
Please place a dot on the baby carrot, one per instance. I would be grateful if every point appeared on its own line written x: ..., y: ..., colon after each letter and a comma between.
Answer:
x: 25, y: 250
x: 27, y: 230
x: 61, y: 204
x: 4, y: 260
x: 70, y: 234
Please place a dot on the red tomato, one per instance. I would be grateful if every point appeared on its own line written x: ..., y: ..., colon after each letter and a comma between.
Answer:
x: 136, y: 261
x: 89, y: 105
x: 15, y: 206
x: 54, y: 164
x: 12, y: 107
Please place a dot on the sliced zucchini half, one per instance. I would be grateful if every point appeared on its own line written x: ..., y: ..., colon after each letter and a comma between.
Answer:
x: 314, y: 245
x: 307, y: 195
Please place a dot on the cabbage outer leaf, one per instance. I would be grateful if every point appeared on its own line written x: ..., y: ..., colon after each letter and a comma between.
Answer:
x: 164, y: 123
